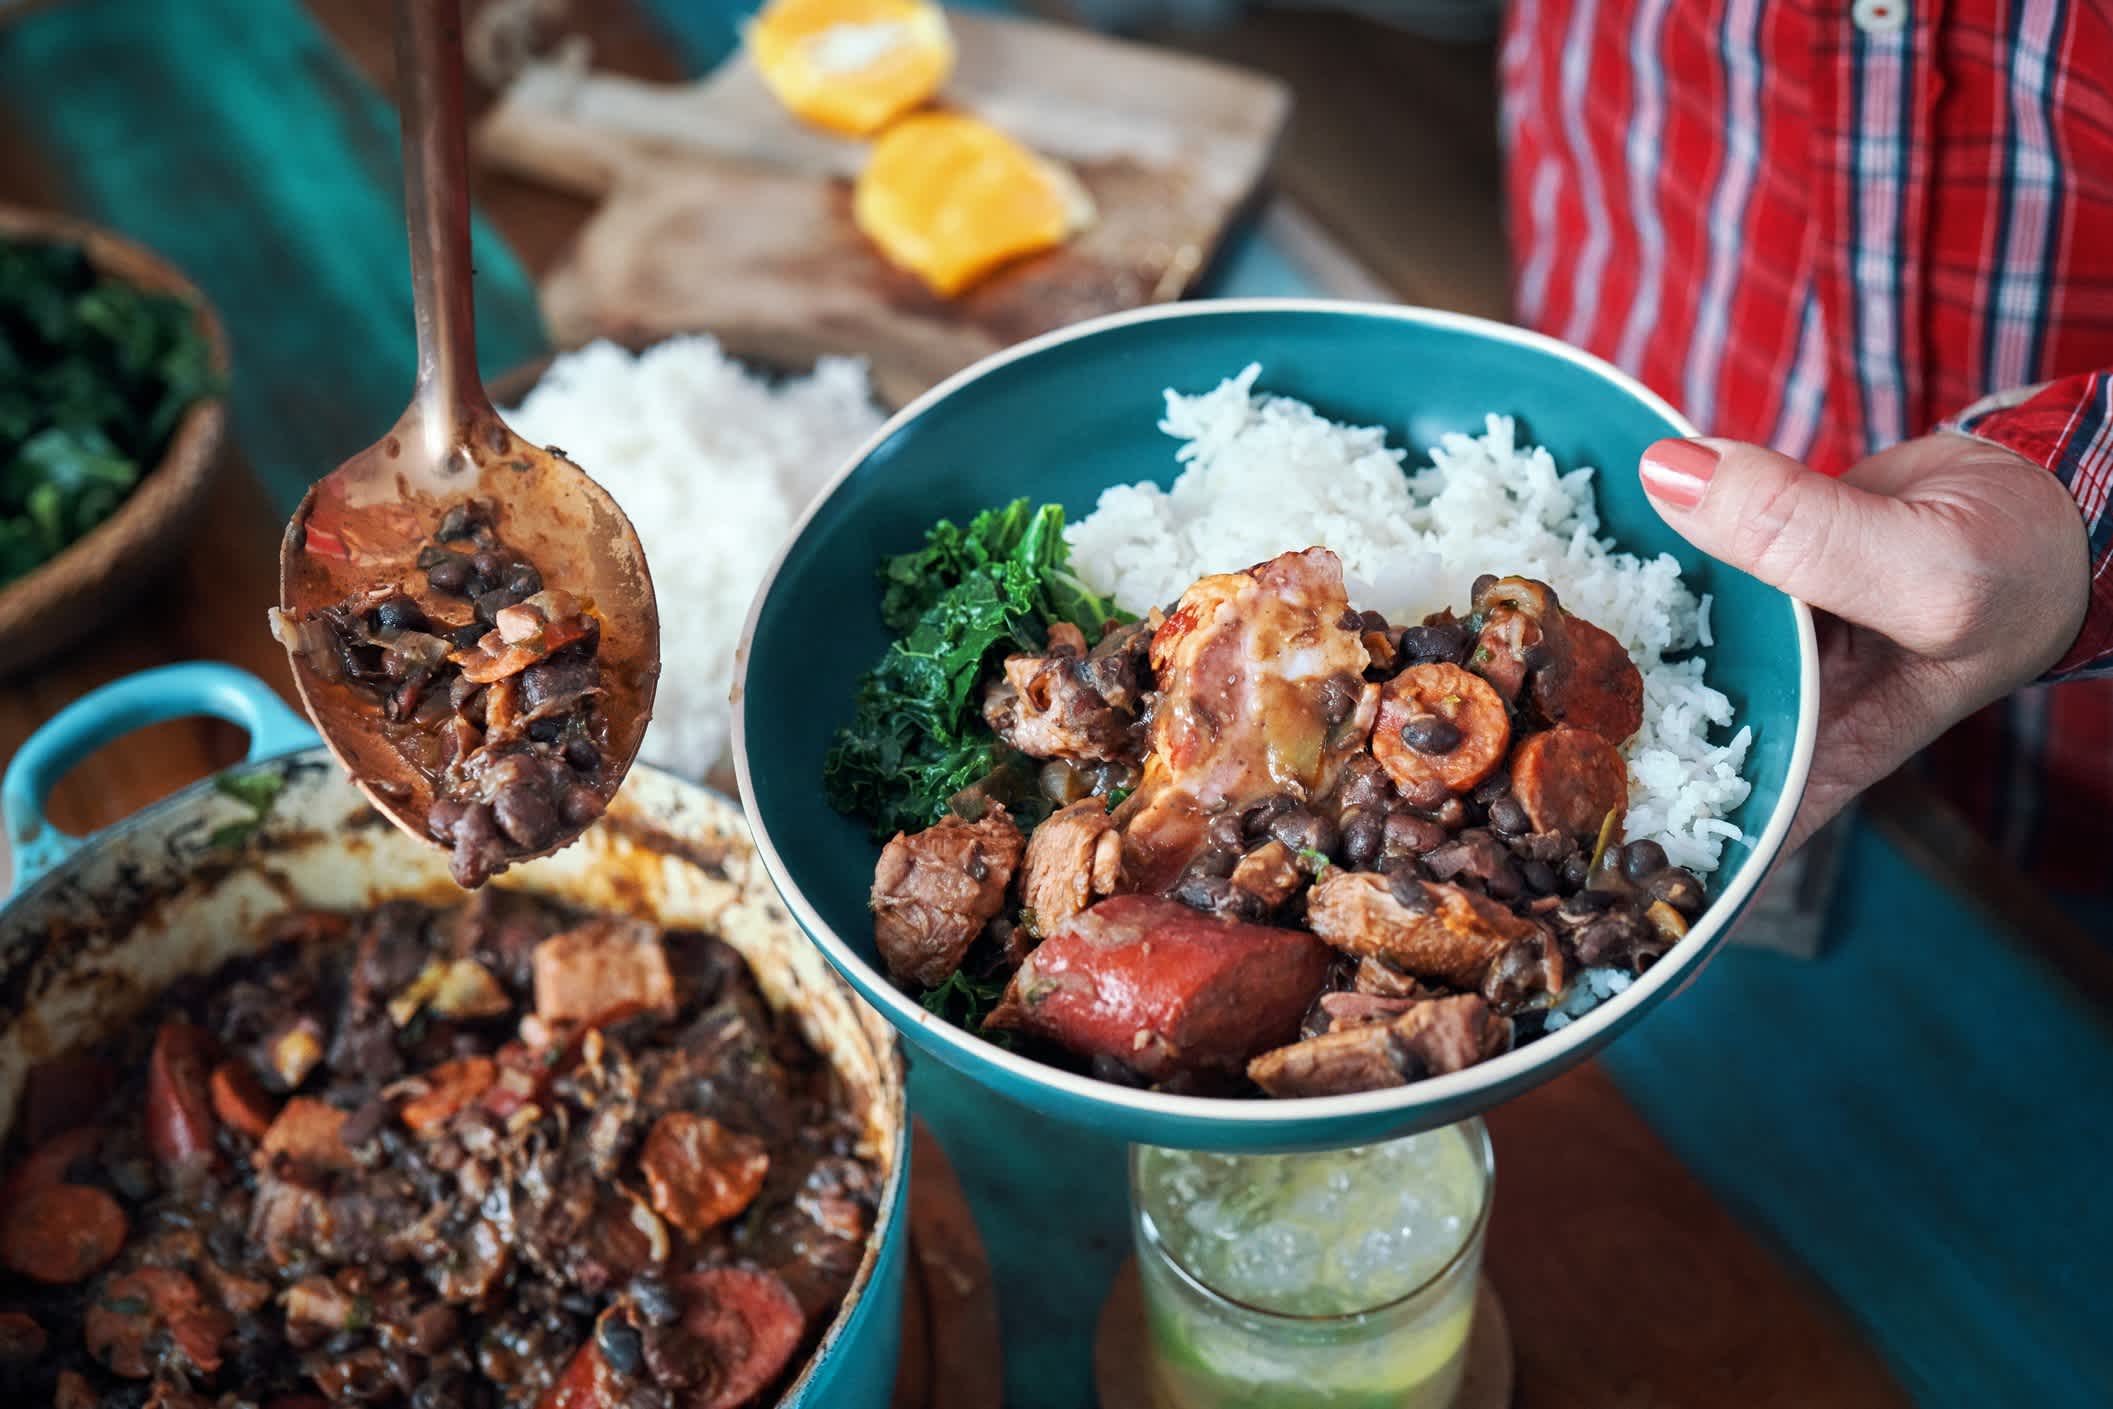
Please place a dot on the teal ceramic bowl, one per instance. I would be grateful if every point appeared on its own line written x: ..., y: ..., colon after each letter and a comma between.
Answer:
x: 1065, y: 416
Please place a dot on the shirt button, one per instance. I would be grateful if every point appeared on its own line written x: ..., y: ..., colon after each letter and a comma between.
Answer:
x: 1879, y: 16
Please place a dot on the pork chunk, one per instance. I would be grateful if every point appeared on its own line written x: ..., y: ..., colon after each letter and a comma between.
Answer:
x: 1073, y: 859
x: 1429, y: 1039
x: 1052, y: 705
x: 1437, y: 931
x: 935, y: 891
x: 602, y: 969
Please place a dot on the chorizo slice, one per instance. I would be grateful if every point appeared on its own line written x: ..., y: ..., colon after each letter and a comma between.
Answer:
x: 1590, y: 683
x: 1568, y: 780
x: 240, y: 1101
x: 62, y: 1234
x: 1441, y: 730
x: 1161, y: 988
x: 179, y: 1103
x: 751, y: 1321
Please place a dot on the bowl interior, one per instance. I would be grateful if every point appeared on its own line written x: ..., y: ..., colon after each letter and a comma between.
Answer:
x: 1069, y: 417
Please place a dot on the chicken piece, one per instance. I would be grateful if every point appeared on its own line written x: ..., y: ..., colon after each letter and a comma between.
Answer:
x: 1073, y: 859
x: 1429, y: 1039
x: 1261, y: 692
x: 1588, y: 680
x: 1162, y: 989
x: 1270, y: 873
x: 935, y: 891
x: 604, y: 969
x: 1569, y: 781
x: 1440, y: 732
x: 1436, y: 931
x: 1049, y: 706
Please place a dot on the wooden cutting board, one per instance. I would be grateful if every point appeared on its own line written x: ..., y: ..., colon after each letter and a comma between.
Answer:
x: 721, y: 211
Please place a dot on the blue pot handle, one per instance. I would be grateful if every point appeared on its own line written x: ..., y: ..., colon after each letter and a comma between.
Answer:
x: 134, y: 702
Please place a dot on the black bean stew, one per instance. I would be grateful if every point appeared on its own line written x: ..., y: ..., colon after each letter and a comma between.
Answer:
x: 502, y: 1155
x: 493, y: 697
x: 1295, y: 849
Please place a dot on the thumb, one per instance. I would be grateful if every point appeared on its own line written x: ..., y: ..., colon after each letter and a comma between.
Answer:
x: 1794, y: 528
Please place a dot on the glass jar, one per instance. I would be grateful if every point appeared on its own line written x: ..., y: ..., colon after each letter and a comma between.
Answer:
x: 1343, y: 1279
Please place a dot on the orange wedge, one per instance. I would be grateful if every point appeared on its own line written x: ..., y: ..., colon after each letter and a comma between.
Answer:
x: 949, y: 199
x: 852, y: 65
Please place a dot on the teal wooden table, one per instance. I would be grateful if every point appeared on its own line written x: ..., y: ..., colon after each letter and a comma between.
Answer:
x: 1917, y: 1122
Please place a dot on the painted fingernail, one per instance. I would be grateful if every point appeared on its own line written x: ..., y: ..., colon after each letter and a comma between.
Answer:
x: 1676, y: 472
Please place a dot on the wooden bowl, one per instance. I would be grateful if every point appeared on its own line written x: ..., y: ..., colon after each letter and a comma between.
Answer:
x: 85, y: 585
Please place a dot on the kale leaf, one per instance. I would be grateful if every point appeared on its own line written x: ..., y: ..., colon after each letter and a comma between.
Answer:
x: 957, y: 605
x: 95, y: 375
x: 966, y: 1002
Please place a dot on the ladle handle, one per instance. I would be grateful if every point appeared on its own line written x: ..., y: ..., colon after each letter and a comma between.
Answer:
x: 437, y: 210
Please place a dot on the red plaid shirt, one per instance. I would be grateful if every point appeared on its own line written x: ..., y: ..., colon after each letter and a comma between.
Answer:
x: 1831, y: 226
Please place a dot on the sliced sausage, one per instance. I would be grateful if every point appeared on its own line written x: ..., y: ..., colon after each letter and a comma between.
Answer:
x: 450, y: 1087
x: 50, y: 1162
x: 1591, y: 683
x: 21, y: 1338
x: 1568, y: 780
x: 240, y: 1101
x: 1162, y: 988
x: 585, y: 1384
x: 1453, y: 758
x: 62, y: 1234
x: 179, y: 1104
x: 124, y: 1320
x: 752, y: 1323
x: 700, y: 1173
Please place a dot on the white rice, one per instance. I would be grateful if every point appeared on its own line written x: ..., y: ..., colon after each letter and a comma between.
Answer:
x: 1266, y: 474
x: 713, y: 464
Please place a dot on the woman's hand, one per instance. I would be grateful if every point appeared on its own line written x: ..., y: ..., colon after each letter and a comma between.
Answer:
x: 1946, y: 572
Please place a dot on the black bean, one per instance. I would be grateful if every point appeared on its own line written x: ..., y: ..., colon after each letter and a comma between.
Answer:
x: 1202, y: 891
x: 524, y: 579
x: 1431, y: 734
x: 1577, y: 869
x: 1372, y: 621
x: 397, y: 612
x: 1226, y: 831
x: 450, y: 574
x: 1538, y: 875
x: 1213, y: 861
x: 546, y: 730
x: 1678, y: 888
x: 462, y: 520
x: 1406, y: 834
x: 1423, y: 644
x: 580, y: 805
x: 1107, y: 1068
x: 1408, y: 890
x: 1350, y: 620
x: 345, y: 1342
x: 1452, y: 814
x: 1642, y: 859
x: 493, y: 601
x: 621, y: 1346
x: 655, y: 1303
x: 465, y: 638
x: 1508, y: 817
x: 442, y: 817
x: 490, y: 563
x: 1339, y: 695
x: 582, y: 755
x: 1302, y: 829
x: 1257, y: 817
x: 1363, y: 832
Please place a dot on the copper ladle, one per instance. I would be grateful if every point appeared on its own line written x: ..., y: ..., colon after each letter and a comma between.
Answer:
x: 361, y: 526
